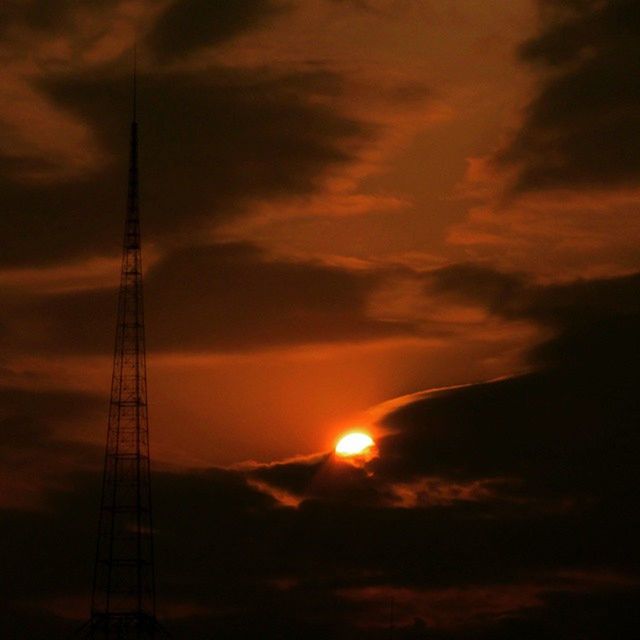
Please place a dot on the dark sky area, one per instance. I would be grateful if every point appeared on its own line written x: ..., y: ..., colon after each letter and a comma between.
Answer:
x: 416, y: 218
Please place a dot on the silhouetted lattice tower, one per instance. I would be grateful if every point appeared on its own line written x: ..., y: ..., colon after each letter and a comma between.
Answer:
x: 123, y: 599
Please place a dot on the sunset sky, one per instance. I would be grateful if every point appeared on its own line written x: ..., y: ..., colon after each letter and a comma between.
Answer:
x: 416, y: 218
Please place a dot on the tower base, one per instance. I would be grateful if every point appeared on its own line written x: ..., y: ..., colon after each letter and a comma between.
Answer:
x: 122, y: 626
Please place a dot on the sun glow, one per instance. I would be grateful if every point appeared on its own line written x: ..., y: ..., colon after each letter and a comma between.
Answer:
x: 354, y: 444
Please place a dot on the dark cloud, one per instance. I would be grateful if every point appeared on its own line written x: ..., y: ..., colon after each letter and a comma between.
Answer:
x: 36, y: 448
x: 226, y: 552
x: 583, y: 126
x: 329, y: 478
x: 188, y: 25
x: 555, y: 535
x: 233, y: 297
x: 293, y: 476
x: 562, y: 441
x: 53, y: 406
x: 569, y: 429
x: 49, y: 16
x: 593, y: 319
x: 515, y: 295
x: 223, y: 297
x: 607, y: 614
x: 211, y: 143
x: 362, y: 5
x: 561, y: 444
x: 35, y: 423
x: 236, y: 562
x: 483, y: 285
x: 551, y: 435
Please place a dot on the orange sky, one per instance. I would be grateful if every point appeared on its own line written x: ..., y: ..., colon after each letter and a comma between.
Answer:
x: 417, y: 218
x: 440, y: 90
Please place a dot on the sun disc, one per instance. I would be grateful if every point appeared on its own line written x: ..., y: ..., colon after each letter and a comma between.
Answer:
x: 354, y: 444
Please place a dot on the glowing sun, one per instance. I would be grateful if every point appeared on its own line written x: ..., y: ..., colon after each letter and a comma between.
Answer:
x: 354, y: 444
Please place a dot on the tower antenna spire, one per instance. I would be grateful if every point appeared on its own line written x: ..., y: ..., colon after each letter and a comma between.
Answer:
x: 123, y: 598
x: 135, y: 82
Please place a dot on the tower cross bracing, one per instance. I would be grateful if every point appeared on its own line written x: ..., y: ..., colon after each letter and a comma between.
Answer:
x: 123, y: 596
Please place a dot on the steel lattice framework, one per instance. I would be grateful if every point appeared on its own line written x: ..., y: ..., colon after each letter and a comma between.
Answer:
x: 123, y: 599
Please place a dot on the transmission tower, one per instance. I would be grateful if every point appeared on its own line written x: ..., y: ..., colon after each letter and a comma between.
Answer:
x: 123, y: 597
